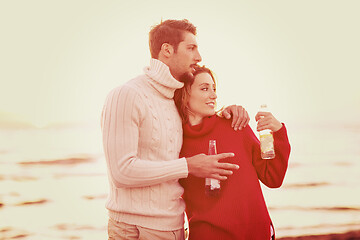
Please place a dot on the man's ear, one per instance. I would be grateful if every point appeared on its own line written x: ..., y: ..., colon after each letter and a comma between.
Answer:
x: 166, y: 49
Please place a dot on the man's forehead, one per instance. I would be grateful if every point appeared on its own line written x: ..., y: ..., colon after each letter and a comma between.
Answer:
x: 189, y: 39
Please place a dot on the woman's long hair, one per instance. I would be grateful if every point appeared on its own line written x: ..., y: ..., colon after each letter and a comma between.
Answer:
x: 182, y: 95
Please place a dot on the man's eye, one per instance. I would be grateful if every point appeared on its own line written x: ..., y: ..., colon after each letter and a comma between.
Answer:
x: 204, y: 89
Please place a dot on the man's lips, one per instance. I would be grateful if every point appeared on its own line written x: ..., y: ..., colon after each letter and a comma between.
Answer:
x: 193, y: 67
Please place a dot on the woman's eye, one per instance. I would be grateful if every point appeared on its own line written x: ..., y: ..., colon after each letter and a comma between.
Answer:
x: 204, y: 89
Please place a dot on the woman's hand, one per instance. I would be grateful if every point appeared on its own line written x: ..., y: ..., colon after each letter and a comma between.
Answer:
x: 265, y: 120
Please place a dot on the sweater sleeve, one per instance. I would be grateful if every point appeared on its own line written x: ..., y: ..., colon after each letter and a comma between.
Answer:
x: 271, y: 172
x: 121, y: 120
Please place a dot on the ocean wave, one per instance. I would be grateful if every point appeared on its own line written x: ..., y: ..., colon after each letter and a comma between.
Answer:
x: 23, y: 202
x: 306, y: 185
x: 94, y: 197
x: 63, y: 161
x: 343, y: 164
x: 348, y: 231
x: 64, y: 175
x: 333, y: 209
x: 75, y: 227
x: 13, y: 233
x: 350, y: 235
x: 18, y: 178
x: 295, y: 164
x: 3, y: 151
x: 33, y: 202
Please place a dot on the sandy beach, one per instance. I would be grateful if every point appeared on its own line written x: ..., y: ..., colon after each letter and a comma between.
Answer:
x: 56, y: 188
x: 352, y: 235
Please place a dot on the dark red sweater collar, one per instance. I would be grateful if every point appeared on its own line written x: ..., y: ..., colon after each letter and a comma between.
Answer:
x: 201, y: 129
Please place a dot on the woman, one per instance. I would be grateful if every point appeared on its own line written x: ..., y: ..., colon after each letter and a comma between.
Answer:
x: 239, y: 212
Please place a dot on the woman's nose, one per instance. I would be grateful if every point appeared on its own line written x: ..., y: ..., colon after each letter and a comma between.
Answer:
x: 213, y: 95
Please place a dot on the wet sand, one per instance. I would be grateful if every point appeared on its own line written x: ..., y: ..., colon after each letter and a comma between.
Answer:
x: 352, y: 235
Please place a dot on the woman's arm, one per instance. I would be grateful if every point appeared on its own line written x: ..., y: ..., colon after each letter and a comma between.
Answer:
x: 271, y: 172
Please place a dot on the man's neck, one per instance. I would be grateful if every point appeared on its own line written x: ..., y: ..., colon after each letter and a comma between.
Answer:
x: 166, y: 61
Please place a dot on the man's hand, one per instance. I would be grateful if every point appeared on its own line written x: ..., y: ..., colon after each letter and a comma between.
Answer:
x: 239, y: 114
x: 265, y: 120
x: 208, y: 166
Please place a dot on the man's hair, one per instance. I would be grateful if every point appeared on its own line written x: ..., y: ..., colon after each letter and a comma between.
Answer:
x: 169, y: 31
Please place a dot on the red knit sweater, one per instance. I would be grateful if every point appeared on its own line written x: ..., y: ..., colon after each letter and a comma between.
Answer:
x: 240, y: 212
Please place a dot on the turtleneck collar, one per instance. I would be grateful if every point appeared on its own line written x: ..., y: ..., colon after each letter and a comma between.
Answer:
x: 206, y: 126
x: 161, y: 78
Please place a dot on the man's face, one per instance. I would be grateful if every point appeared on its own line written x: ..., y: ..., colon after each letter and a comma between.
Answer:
x: 185, y: 58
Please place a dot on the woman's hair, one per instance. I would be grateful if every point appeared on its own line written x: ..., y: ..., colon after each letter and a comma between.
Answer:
x: 182, y: 95
x: 169, y: 31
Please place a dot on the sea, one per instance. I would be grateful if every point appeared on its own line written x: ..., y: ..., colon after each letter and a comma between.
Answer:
x: 54, y: 185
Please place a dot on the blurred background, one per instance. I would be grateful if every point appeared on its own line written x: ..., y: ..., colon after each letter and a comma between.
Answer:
x: 59, y: 59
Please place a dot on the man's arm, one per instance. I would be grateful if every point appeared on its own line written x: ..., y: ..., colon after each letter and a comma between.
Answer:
x: 203, y: 166
x: 122, y: 115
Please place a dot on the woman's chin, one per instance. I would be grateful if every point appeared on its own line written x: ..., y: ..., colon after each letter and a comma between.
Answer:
x: 212, y: 113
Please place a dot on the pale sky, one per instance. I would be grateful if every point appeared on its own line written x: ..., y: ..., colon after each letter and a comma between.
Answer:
x: 59, y: 59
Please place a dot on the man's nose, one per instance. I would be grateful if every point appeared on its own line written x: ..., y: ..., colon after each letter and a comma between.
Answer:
x: 198, y: 57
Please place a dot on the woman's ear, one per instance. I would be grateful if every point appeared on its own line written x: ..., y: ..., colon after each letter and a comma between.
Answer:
x: 167, y: 50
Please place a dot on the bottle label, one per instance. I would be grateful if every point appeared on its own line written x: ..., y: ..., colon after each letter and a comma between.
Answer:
x: 213, y: 183
x: 267, y: 142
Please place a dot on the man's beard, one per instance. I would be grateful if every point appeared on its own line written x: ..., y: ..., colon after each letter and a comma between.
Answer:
x: 187, y: 77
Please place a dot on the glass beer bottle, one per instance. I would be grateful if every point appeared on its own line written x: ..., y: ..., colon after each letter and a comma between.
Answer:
x: 212, y: 186
x: 266, y: 140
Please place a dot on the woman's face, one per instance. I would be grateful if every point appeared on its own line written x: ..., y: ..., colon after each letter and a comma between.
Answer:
x: 202, y: 99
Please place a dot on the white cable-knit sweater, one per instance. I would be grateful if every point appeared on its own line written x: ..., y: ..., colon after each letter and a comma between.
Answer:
x: 142, y: 138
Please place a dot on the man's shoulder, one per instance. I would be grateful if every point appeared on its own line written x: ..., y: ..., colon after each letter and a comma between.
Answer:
x: 134, y: 86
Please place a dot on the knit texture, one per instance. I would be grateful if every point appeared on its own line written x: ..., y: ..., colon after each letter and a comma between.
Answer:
x: 240, y: 211
x: 142, y: 138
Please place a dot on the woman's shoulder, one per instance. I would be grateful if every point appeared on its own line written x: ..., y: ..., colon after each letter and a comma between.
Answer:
x: 226, y: 124
x: 222, y: 119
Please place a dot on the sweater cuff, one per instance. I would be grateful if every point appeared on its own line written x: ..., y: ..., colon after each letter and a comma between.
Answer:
x: 281, y: 131
x: 185, y: 167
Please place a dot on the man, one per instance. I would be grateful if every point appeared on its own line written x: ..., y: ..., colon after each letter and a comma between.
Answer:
x: 142, y: 137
